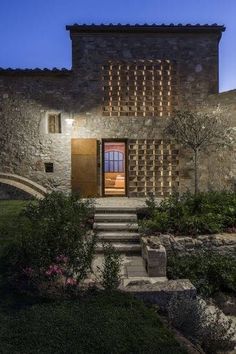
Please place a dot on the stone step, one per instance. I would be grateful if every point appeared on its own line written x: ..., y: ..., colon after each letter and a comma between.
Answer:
x: 115, y: 210
x: 124, y: 247
x: 118, y: 236
x: 115, y: 226
x: 115, y: 217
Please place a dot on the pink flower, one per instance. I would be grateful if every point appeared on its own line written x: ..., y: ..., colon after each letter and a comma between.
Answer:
x: 54, y: 270
x: 62, y: 258
x: 71, y: 281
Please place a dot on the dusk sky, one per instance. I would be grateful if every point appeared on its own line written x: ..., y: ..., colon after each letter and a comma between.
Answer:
x: 32, y: 32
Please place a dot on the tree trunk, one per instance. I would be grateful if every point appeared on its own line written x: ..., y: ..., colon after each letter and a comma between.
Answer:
x: 196, y: 172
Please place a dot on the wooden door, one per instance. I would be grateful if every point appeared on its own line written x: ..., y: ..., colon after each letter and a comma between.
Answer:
x: 84, y: 167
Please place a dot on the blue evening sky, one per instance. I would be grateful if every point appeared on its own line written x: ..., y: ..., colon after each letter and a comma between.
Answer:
x: 32, y: 32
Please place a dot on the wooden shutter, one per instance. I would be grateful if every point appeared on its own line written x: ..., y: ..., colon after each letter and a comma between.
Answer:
x: 84, y: 167
x: 54, y: 123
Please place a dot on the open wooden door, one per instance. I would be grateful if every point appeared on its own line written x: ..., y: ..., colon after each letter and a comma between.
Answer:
x: 84, y: 167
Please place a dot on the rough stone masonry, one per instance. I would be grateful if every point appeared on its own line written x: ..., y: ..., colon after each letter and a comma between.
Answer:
x: 78, y: 97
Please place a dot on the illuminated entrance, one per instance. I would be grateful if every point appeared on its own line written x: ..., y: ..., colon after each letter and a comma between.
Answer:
x: 114, y: 168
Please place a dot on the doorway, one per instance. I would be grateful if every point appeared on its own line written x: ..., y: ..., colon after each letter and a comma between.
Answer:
x: 114, y: 167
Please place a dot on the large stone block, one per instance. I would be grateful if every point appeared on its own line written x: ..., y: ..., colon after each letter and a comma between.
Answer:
x: 155, y: 259
x: 157, y: 262
x: 160, y: 293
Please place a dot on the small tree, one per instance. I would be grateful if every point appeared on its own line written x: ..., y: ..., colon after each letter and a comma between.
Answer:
x: 198, y: 131
x: 110, y: 272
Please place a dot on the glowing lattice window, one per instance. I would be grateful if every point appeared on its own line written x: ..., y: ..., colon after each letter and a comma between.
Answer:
x: 153, y: 167
x: 140, y: 88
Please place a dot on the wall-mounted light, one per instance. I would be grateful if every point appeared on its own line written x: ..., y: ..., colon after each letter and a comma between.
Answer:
x: 69, y: 121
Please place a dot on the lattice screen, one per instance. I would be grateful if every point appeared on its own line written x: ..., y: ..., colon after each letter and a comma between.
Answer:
x: 139, y: 88
x: 153, y: 167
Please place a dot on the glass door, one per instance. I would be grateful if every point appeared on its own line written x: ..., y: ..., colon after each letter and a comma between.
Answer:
x: 114, y: 168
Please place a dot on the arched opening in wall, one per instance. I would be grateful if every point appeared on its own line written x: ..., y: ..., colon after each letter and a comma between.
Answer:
x: 114, y: 168
x: 9, y: 192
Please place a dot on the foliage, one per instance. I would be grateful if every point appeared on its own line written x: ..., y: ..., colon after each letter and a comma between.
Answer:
x: 198, y: 130
x: 204, y: 213
x: 9, y: 218
x: 52, y: 244
x: 207, y: 327
x: 110, y: 272
x: 209, y: 272
x: 185, y: 314
x: 100, y: 322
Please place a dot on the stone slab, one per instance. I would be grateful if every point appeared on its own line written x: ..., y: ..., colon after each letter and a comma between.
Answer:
x: 160, y: 293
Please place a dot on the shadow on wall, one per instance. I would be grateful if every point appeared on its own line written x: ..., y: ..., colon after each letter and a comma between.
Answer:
x: 8, y: 192
x: 50, y: 90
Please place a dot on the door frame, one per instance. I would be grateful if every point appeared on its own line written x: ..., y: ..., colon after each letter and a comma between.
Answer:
x: 115, y: 140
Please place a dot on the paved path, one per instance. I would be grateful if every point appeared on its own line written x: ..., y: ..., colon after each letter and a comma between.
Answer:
x: 132, y: 266
x: 122, y: 202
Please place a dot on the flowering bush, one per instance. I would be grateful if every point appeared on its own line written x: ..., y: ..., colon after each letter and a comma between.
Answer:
x: 54, y: 245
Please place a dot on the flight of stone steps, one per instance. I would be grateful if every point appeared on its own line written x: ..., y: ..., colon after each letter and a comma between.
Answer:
x: 118, y: 226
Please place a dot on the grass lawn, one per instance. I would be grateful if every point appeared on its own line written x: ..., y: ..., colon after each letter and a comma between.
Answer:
x: 97, y: 323
x: 9, y: 212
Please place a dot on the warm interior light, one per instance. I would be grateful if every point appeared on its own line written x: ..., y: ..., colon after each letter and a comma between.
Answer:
x: 137, y: 85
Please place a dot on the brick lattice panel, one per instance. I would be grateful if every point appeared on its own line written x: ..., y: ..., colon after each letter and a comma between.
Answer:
x: 139, y: 88
x: 153, y: 167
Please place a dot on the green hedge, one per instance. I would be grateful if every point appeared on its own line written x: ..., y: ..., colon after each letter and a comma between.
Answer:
x: 209, y: 272
x: 204, y: 213
x: 99, y: 323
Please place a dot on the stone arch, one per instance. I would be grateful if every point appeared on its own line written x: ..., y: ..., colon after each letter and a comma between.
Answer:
x: 24, y: 184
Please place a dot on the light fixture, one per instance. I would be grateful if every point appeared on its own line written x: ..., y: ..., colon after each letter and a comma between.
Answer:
x: 69, y: 121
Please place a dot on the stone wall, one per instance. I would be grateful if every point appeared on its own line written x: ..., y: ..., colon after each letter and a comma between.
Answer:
x: 181, y: 245
x: 218, y: 168
x: 196, y: 57
x: 27, y: 96
x: 24, y: 144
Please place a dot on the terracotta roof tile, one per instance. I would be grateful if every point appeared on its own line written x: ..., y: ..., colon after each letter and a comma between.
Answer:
x: 154, y: 27
x: 34, y: 71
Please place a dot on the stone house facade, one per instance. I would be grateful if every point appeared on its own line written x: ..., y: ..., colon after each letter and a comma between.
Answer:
x: 97, y: 129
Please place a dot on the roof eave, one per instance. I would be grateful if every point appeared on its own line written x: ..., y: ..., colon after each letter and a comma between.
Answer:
x: 145, y: 28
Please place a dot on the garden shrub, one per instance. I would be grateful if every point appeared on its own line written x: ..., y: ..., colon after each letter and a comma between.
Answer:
x: 52, y: 246
x: 207, y: 327
x: 204, y: 213
x: 185, y: 314
x: 110, y: 272
x: 208, y: 271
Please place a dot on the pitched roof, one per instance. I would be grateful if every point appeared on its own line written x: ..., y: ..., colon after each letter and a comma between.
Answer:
x: 35, y: 71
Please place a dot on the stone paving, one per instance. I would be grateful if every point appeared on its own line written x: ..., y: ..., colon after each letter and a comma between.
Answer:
x: 132, y: 266
x: 122, y: 202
